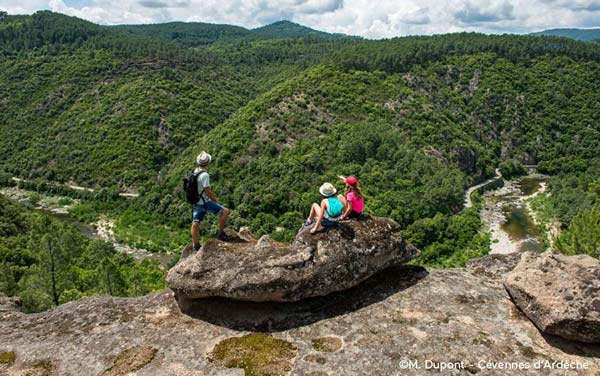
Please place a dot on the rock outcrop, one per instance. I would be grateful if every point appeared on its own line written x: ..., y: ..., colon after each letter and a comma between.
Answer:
x: 449, y: 318
x: 560, y: 294
x: 313, y: 265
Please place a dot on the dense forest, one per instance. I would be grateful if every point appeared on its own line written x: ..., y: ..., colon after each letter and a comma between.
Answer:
x: 47, y: 262
x: 282, y: 109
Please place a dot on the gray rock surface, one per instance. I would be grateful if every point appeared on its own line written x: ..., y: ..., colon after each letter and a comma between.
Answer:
x: 313, y: 265
x: 494, y: 265
x: 402, y: 314
x: 12, y: 303
x: 560, y: 294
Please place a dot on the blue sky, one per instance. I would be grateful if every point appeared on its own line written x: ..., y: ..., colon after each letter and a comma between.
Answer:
x: 368, y: 18
x: 77, y: 3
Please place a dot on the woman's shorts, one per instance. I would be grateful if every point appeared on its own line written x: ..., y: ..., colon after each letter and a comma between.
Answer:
x: 354, y: 215
x: 328, y: 223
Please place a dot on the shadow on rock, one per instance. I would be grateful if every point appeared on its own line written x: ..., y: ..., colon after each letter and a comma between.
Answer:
x: 573, y: 347
x: 273, y: 317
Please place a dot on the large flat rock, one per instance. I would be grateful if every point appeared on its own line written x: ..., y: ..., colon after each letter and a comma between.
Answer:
x: 401, y: 314
x: 559, y: 294
x: 313, y: 265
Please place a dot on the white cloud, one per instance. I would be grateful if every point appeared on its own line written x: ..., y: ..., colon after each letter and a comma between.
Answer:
x: 373, y: 19
x: 471, y: 12
x: 22, y: 7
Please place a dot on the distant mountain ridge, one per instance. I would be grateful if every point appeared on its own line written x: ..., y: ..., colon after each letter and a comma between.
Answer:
x: 190, y: 34
x: 288, y: 29
x: 585, y: 35
x: 194, y: 34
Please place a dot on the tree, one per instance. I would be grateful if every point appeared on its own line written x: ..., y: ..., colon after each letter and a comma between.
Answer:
x: 55, y: 246
x: 583, y: 235
x: 108, y: 276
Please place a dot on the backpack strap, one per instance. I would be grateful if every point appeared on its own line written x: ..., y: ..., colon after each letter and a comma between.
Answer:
x: 201, y: 193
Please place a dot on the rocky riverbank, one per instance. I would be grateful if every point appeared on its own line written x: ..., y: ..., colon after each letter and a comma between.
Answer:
x: 508, y: 216
x: 104, y: 230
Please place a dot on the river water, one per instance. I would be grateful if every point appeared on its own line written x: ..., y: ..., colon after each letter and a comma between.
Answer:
x: 507, y: 216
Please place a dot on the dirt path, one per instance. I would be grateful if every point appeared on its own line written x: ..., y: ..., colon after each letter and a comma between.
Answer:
x: 469, y: 192
x: 76, y: 187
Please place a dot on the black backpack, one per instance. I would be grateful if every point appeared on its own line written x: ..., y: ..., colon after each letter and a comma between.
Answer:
x: 190, y: 186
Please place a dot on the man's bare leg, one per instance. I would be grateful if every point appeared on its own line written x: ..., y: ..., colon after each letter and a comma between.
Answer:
x: 223, y: 219
x: 194, y: 232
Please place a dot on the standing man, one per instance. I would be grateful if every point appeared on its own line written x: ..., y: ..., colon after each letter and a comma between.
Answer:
x: 208, y: 201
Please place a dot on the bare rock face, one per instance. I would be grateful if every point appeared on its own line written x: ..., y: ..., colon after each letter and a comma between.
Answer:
x: 448, y: 317
x: 313, y: 265
x: 494, y: 265
x: 559, y: 294
x: 10, y: 303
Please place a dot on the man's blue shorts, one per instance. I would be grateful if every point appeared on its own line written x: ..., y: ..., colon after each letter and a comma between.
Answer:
x: 201, y: 208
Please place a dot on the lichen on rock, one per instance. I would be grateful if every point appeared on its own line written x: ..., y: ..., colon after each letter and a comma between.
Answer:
x: 327, y: 344
x: 259, y: 354
x: 42, y: 368
x: 131, y: 360
x: 7, y: 359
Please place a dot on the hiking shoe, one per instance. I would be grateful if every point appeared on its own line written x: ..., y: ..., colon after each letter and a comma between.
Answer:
x: 224, y: 237
x: 308, y: 223
x: 197, y: 247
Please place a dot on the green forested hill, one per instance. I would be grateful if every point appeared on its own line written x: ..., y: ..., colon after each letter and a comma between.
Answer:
x: 197, y: 34
x: 117, y: 108
x: 287, y: 29
x: 192, y: 34
x: 414, y: 138
x: 108, y: 120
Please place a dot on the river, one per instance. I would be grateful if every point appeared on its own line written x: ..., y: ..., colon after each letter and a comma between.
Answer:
x: 507, y: 215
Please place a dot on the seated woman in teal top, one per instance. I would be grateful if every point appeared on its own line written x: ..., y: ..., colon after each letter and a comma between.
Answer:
x: 329, y: 213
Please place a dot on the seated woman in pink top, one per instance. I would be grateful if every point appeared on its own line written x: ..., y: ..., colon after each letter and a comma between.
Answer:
x: 354, y: 197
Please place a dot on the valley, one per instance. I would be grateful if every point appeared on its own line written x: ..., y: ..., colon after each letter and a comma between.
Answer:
x: 476, y: 154
x: 109, y: 120
x: 103, y: 229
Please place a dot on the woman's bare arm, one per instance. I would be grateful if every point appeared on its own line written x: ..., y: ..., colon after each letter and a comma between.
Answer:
x: 347, y: 206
